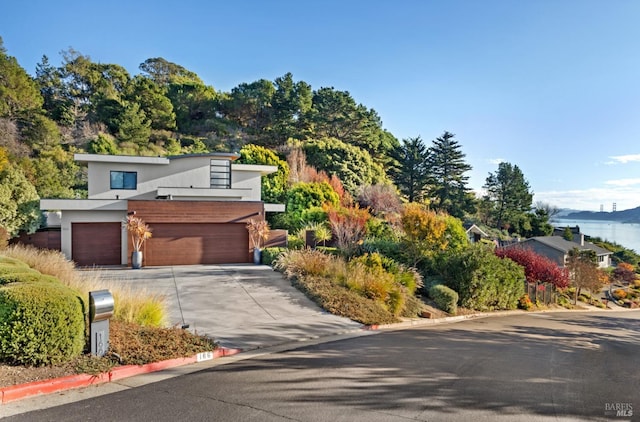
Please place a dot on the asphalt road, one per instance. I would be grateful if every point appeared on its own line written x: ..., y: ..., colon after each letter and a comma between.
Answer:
x: 555, y: 366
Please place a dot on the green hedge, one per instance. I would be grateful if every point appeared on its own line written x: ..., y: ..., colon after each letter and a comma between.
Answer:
x: 6, y: 262
x: 445, y: 298
x: 484, y: 281
x: 25, y: 277
x: 40, y: 323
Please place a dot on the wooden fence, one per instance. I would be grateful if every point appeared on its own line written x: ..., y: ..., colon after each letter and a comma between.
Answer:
x: 544, y: 293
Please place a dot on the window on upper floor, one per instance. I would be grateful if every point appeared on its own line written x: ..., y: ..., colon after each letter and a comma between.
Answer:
x: 220, y: 174
x: 124, y: 180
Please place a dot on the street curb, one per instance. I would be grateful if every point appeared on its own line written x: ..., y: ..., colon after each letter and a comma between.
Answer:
x: 417, y: 322
x: 22, y: 391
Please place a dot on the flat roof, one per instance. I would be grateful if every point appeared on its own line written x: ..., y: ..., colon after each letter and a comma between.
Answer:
x: 136, y: 159
x: 129, y: 159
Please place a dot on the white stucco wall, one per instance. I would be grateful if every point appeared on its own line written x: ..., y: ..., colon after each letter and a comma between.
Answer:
x: 69, y: 217
x: 185, y: 172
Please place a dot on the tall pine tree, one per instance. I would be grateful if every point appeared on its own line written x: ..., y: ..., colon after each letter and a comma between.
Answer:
x: 509, y: 195
x: 412, y: 176
x: 448, y: 189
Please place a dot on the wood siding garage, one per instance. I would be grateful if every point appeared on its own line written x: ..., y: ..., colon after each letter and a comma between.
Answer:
x: 196, y: 232
x: 96, y: 243
x: 197, y: 243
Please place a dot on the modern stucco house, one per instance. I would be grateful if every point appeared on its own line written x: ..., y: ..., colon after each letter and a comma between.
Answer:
x: 196, y: 205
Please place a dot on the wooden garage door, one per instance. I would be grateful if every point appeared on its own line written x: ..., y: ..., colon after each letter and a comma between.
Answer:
x: 96, y: 243
x: 197, y: 243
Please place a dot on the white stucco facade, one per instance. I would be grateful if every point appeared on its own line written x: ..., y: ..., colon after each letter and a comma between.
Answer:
x: 184, y: 178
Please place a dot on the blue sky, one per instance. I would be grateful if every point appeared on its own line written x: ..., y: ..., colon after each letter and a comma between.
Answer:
x: 552, y: 86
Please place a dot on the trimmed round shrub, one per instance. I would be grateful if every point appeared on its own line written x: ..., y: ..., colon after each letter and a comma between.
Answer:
x: 483, y: 281
x: 5, y: 262
x: 445, y: 298
x: 25, y: 276
x: 41, y: 323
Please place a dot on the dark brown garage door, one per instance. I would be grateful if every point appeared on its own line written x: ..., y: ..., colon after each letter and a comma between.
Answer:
x: 197, y: 243
x: 96, y: 243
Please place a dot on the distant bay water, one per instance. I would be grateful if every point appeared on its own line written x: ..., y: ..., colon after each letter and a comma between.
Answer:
x: 625, y: 234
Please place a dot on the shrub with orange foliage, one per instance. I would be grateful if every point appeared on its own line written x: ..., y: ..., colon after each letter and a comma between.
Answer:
x: 624, y: 272
x: 424, y: 231
x: 348, y: 225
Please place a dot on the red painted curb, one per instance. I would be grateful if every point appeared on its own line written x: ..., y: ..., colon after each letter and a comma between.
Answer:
x: 127, y: 371
x: 22, y: 391
x: 18, y: 392
x: 223, y: 352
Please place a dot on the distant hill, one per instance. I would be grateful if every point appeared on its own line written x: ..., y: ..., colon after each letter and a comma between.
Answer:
x: 626, y: 216
x: 564, y: 212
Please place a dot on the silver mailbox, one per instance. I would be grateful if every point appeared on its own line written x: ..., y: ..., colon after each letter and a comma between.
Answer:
x: 100, y: 305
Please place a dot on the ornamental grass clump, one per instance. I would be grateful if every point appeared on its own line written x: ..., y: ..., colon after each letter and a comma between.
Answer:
x: 137, y: 305
x: 335, y: 284
x: 308, y: 262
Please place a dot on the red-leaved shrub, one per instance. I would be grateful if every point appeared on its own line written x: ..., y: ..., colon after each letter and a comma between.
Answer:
x: 536, y: 267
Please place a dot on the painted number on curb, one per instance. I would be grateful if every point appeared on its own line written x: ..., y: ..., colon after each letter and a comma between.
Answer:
x: 204, y: 356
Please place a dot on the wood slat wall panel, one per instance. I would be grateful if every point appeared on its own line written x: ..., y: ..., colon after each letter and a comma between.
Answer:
x: 49, y: 239
x: 276, y: 238
x: 196, y: 211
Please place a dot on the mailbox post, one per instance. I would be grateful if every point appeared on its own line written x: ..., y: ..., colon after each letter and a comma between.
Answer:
x: 100, y: 310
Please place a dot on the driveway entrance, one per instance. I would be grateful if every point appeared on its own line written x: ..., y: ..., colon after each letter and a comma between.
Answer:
x: 241, y: 306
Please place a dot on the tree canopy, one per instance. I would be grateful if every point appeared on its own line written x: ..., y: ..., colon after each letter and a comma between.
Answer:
x: 508, y: 195
x: 412, y: 175
x: 81, y: 105
x: 448, y: 189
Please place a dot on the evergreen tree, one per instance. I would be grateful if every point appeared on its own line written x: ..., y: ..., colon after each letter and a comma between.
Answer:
x: 509, y: 195
x: 57, y: 103
x: 18, y: 92
x: 448, y: 189
x: 567, y: 234
x: 274, y: 185
x: 412, y: 176
x: 134, y: 126
x: 19, y: 201
x: 291, y: 101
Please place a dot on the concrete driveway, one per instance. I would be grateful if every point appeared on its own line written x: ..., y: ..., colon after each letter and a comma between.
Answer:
x: 241, y: 306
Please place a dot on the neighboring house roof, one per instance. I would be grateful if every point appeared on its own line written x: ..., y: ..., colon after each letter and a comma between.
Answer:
x: 565, y: 246
x: 472, y: 228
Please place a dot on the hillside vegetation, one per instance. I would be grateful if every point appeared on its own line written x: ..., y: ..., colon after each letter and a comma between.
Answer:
x: 314, y: 135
